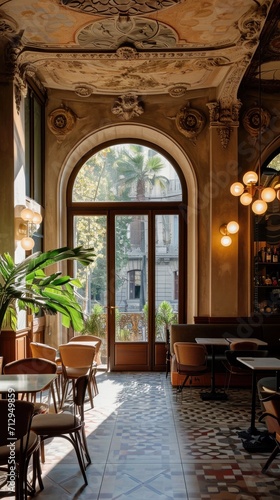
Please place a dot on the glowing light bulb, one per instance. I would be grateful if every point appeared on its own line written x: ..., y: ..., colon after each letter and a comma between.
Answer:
x: 259, y: 207
x: 268, y: 194
x: 27, y: 214
x: 236, y: 188
x: 27, y: 243
x: 232, y: 227
x: 250, y: 177
x: 226, y: 241
x: 246, y: 199
x: 37, y: 218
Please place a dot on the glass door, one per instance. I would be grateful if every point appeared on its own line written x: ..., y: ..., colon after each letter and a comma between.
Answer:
x: 130, y: 294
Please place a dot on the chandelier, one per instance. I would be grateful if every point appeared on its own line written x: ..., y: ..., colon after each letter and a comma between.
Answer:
x: 250, y: 190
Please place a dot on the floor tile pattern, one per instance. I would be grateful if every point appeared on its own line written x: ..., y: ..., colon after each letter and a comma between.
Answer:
x: 149, y: 443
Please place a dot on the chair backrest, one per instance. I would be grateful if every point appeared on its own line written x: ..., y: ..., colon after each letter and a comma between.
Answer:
x: 76, y: 355
x: 190, y: 354
x: 243, y: 345
x: 79, y: 394
x: 271, y: 405
x: 21, y: 419
x: 30, y: 365
x: 45, y: 351
x: 90, y: 338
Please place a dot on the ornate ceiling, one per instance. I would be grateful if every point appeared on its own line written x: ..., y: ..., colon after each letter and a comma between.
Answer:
x: 146, y: 47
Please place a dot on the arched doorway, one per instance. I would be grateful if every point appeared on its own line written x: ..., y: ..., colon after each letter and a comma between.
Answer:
x: 128, y: 201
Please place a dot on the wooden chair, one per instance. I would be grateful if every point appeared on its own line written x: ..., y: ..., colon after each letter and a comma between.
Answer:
x: 67, y: 425
x: 35, y: 365
x: 26, y: 444
x: 271, y: 416
x: 238, y: 348
x: 77, y: 360
x: 191, y: 359
x: 45, y: 351
x: 90, y: 338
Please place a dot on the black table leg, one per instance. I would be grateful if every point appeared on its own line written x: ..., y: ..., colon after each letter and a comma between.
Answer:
x: 252, y: 431
x: 213, y: 394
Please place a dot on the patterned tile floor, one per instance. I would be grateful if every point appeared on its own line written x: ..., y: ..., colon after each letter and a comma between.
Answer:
x: 149, y: 443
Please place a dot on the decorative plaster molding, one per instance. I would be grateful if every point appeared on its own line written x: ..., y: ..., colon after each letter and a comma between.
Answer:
x: 224, y: 119
x: 143, y: 33
x: 83, y: 90
x: 116, y: 7
x: 20, y: 90
x: 190, y: 122
x: 8, y: 27
x: 256, y: 121
x: 251, y: 23
x: 127, y: 106
x: 178, y: 90
x: 61, y: 121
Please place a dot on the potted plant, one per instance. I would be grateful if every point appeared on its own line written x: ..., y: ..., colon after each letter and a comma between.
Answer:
x: 26, y: 286
x: 165, y: 316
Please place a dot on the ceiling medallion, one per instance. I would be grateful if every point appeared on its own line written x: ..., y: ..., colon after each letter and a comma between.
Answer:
x: 128, y: 106
x: 190, y: 122
x: 256, y: 120
x: 116, y: 7
x: 61, y: 121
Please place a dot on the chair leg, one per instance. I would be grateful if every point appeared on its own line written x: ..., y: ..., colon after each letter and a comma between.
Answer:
x: 84, y: 446
x: 272, y: 457
x: 180, y: 388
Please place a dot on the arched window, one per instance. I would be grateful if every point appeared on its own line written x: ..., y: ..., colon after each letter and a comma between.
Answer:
x: 129, y: 202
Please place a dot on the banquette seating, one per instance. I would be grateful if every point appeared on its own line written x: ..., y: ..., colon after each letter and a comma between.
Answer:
x: 269, y: 333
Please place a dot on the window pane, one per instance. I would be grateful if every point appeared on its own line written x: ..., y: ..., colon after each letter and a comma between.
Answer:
x: 127, y: 172
x: 131, y: 278
x: 90, y: 231
x: 167, y: 273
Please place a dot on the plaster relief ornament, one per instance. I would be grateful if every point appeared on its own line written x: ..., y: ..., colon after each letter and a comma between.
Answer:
x: 256, y: 121
x: 128, y: 106
x: 115, y: 7
x: 83, y: 90
x: 178, y: 90
x: 61, y: 121
x: 8, y: 26
x: 190, y: 122
x: 224, y: 118
x: 141, y: 33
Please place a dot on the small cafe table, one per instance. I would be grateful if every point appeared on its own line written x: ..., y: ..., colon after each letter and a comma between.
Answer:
x: 258, y: 365
x: 249, y: 339
x: 26, y: 382
x: 213, y: 394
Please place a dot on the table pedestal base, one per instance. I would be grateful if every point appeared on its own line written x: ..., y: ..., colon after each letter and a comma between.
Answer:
x: 211, y: 396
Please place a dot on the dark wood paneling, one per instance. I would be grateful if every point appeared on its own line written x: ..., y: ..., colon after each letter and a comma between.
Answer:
x: 133, y: 356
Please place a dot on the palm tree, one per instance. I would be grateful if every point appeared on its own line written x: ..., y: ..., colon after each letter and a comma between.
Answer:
x: 25, y: 286
x: 137, y: 169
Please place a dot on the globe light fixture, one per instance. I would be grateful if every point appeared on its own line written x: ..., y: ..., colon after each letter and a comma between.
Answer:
x: 25, y: 226
x: 231, y: 227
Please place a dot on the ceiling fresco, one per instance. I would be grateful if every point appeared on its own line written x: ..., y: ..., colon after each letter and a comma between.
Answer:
x: 152, y: 47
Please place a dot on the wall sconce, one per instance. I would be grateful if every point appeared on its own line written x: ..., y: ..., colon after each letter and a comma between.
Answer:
x: 231, y: 227
x: 25, y: 227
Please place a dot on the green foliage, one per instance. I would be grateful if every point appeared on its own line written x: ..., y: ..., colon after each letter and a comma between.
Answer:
x: 165, y: 316
x: 95, y: 324
x: 25, y: 286
x: 136, y: 169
